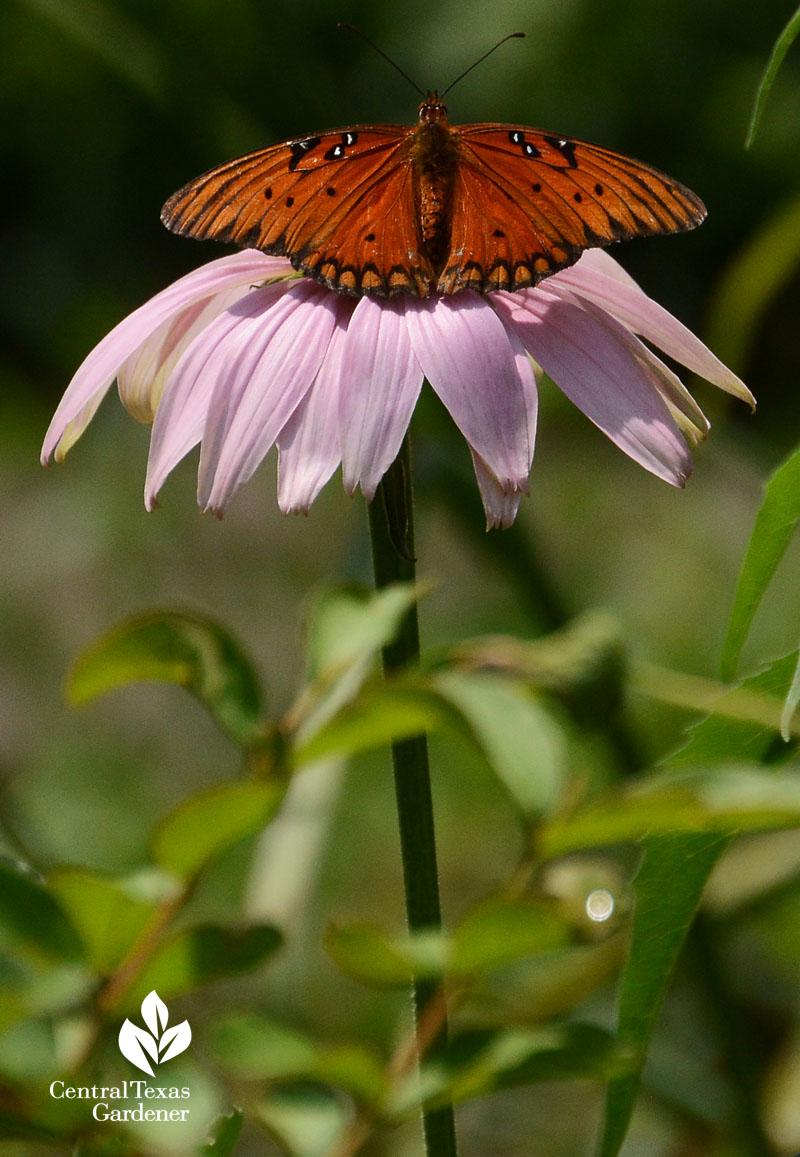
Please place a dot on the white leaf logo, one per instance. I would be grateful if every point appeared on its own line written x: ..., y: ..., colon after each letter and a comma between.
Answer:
x: 160, y: 1043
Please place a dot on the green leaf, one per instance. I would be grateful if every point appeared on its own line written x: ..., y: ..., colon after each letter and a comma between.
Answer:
x: 199, y: 955
x: 774, y: 527
x: 583, y: 664
x: 782, y: 46
x: 713, y: 800
x: 790, y: 706
x: 349, y: 625
x: 188, y: 650
x: 347, y: 630
x: 366, y: 954
x: 719, y: 738
x: 203, y: 826
x: 480, y: 1062
x: 109, y: 914
x: 522, y: 743
x: 32, y: 915
x: 668, y: 887
x: 380, y: 714
x: 499, y: 932
x: 223, y: 1135
x: 308, y: 1120
x: 256, y: 1049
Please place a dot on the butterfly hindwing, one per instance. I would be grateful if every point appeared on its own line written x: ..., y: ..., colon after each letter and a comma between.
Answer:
x: 340, y: 205
x: 527, y: 203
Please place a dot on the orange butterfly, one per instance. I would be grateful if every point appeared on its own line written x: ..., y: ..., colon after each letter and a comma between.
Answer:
x: 431, y: 208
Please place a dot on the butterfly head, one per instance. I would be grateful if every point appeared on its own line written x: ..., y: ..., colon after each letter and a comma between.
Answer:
x: 432, y: 110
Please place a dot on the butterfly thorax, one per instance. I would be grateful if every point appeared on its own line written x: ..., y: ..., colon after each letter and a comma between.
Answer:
x: 435, y: 154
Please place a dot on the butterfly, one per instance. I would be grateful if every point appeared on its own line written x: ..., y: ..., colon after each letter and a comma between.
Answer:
x: 433, y: 208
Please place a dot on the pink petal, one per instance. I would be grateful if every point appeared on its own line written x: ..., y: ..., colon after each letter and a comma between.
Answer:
x: 473, y: 364
x: 587, y: 360
x: 98, y: 370
x: 274, y: 361
x: 182, y: 412
x: 623, y: 299
x: 142, y: 377
x: 690, y: 419
x: 500, y: 505
x: 309, y: 446
x: 381, y: 381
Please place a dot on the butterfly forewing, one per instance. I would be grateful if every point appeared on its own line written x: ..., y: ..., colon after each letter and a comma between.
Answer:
x: 340, y: 205
x: 543, y: 200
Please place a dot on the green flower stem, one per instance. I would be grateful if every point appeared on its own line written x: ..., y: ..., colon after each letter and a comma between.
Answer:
x: 392, y: 533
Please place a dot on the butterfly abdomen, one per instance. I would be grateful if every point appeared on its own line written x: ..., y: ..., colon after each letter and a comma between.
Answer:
x: 435, y: 156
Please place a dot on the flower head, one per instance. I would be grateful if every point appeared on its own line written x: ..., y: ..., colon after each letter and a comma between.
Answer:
x: 233, y: 359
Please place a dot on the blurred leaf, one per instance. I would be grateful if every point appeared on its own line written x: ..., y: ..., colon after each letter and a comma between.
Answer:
x: 721, y: 800
x: 190, y: 651
x: 308, y: 1120
x: 366, y: 954
x: 491, y: 936
x: 31, y: 914
x: 761, y: 268
x: 782, y: 46
x: 257, y: 1049
x: 774, y: 526
x: 347, y: 630
x: 223, y: 1135
x: 201, y: 827
x: 108, y: 918
x: 790, y: 706
x: 349, y: 625
x: 668, y: 887
x: 719, y: 738
x: 498, y: 932
x: 520, y: 739
x: 381, y: 714
x: 354, y: 1069
x: 731, y: 704
x: 583, y: 664
x: 480, y: 1062
x: 199, y: 955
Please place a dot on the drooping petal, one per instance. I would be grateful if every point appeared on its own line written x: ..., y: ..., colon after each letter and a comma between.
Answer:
x: 309, y: 445
x: 141, y: 377
x: 211, y: 359
x: 467, y: 355
x: 589, y: 363
x: 501, y: 505
x: 625, y: 300
x: 690, y: 419
x: 98, y: 370
x: 381, y: 381
x: 281, y: 355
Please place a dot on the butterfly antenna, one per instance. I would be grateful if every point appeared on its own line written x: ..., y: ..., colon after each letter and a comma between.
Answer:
x: 372, y: 44
x: 511, y: 36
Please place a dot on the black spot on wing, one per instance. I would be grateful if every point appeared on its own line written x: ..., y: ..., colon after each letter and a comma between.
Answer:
x: 299, y: 149
x: 566, y: 148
